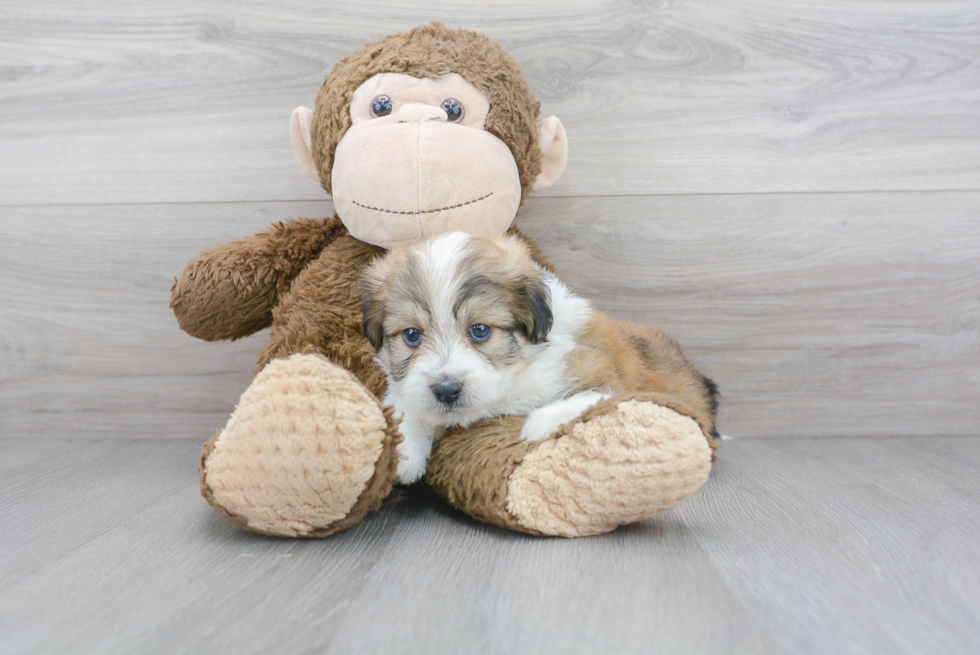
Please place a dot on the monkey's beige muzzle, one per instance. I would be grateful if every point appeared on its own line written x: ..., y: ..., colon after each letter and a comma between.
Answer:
x: 430, y: 177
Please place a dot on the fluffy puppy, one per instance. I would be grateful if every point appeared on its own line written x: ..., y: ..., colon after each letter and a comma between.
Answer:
x: 468, y: 328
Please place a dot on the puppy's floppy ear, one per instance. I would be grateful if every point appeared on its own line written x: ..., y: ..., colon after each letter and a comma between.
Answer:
x: 534, y: 308
x: 372, y: 321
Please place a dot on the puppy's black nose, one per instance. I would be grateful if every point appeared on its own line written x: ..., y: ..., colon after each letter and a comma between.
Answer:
x: 447, y: 391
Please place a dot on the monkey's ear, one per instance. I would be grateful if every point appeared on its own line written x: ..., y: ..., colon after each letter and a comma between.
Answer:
x: 554, y: 145
x: 299, y: 134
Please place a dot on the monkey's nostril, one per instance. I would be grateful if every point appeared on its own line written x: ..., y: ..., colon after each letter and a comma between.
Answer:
x: 447, y: 391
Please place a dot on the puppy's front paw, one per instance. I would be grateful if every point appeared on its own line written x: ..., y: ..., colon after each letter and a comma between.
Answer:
x: 542, y: 422
x: 410, y: 469
x: 415, y: 448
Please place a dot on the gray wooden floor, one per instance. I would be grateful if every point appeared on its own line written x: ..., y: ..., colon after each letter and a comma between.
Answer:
x: 859, y: 545
x: 792, y: 189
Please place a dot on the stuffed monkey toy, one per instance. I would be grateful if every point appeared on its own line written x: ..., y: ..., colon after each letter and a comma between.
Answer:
x: 416, y: 134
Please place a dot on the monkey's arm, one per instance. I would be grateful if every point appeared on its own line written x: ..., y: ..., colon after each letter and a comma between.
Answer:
x: 228, y: 292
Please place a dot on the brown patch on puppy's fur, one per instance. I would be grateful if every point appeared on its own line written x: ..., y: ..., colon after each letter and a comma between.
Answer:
x: 631, y: 357
x: 501, y: 274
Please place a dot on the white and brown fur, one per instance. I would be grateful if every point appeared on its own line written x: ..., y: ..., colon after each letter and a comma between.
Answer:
x: 550, y: 355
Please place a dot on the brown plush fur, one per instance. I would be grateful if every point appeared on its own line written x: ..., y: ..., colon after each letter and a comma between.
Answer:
x: 229, y: 292
x: 470, y: 468
x: 432, y: 51
x: 322, y: 311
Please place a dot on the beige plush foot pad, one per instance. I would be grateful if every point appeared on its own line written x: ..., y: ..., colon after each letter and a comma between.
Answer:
x: 620, y: 463
x: 307, y: 452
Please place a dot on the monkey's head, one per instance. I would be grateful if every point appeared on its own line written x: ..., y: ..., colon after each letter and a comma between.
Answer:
x: 430, y: 131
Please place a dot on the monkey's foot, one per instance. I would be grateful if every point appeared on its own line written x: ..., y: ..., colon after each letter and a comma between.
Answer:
x: 625, y: 459
x: 307, y: 452
x: 621, y: 462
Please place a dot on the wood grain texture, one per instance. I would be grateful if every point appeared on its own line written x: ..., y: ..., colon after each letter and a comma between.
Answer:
x: 179, y: 101
x: 862, y: 319
x: 132, y: 559
x: 473, y: 589
x: 849, y: 545
x: 794, y: 546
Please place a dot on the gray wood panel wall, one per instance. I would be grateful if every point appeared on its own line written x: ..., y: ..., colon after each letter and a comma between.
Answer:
x: 791, y: 189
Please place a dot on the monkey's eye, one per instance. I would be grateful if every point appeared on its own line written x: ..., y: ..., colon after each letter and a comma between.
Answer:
x: 412, y: 337
x: 480, y: 332
x: 381, y: 106
x: 453, y: 109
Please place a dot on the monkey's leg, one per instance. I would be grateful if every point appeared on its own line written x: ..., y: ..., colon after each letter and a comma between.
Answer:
x: 627, y: 458
x: 307, y: 452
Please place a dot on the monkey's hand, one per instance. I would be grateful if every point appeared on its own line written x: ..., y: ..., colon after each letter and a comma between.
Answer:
x: 228, y: 292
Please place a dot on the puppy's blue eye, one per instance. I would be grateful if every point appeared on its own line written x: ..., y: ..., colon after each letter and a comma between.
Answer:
x: 412, y: 336
x: 480, y: 332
